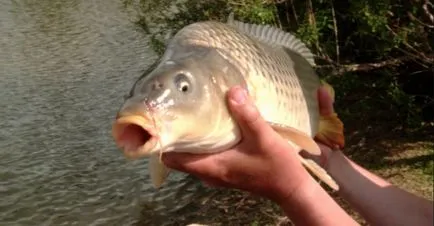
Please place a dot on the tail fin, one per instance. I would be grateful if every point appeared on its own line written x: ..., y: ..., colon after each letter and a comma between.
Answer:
x: 331, y: 128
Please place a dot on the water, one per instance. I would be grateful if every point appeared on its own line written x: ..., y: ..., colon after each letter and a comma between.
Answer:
x: 64, y: 68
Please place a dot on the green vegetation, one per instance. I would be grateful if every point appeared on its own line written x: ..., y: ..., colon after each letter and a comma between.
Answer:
x: 378, y: 55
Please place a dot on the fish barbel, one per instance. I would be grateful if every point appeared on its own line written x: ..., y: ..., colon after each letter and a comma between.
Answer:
x: 180, y: 103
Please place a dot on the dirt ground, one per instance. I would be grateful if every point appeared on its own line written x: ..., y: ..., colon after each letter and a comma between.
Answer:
x: 405, y: 158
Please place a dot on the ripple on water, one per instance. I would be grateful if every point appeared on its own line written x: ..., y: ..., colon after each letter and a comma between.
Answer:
x: 65, y: 66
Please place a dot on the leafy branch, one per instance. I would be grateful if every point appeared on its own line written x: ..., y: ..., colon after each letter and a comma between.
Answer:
x: 340, y: 69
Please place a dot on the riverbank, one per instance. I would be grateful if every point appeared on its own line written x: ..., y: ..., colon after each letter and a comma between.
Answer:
x: 405, y: 159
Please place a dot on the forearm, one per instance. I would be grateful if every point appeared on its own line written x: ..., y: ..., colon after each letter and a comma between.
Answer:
x: 379, y: 202
x: 311, y: 205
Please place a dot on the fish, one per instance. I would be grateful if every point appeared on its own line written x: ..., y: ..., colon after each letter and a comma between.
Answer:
x: 179, y: 103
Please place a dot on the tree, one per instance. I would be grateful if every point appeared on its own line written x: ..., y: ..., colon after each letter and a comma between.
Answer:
x: 381, y: 48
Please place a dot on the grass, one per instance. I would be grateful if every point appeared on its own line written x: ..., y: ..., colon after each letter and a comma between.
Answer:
x: 405, y: 159
x: 376, y: 140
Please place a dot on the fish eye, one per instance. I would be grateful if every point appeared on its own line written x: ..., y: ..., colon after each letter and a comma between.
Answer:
x: 182, y: 83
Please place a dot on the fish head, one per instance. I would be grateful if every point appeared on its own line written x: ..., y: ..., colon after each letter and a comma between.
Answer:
x: 179, y: 106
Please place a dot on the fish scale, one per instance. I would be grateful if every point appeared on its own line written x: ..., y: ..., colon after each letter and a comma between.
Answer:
x: 200, y: 64
x: 266, y: 71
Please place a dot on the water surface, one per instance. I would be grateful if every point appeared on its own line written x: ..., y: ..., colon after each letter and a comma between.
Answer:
x: 64, y: 69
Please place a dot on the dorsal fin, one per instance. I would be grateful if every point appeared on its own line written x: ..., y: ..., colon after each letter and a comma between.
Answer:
x: 273, y: 36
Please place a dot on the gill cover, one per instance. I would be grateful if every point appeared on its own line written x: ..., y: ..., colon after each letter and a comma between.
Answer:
x: 211, y: 128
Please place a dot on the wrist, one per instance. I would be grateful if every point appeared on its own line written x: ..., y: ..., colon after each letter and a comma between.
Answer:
x: 352, y: 178
x: 292, y: 191
x: 310, y: 204
x: 339, y: 167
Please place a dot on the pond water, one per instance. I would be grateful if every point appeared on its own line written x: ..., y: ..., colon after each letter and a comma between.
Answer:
x: 64, y: 69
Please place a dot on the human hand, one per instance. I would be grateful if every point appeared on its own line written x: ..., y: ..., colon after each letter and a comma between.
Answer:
x: 325, y: 102
x: 263, y: 163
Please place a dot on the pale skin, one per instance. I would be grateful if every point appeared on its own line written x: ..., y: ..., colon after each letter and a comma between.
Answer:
x: 264, y: 164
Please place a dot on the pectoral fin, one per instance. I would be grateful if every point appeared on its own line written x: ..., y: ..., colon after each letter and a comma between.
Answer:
x: 157, y: 170
x: 307, y: 143
x: 319, y: 172
x: 297, y: 137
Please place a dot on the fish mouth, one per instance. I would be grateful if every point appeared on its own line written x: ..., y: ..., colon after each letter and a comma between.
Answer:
x: 135, y: 135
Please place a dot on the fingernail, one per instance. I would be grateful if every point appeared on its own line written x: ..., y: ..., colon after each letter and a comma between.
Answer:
x: 239, y: 96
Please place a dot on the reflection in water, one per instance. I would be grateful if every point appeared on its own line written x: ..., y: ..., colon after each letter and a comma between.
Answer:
x: 64, y: 68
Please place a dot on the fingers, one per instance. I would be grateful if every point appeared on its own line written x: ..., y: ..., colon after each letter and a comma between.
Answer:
x: 325, y: 102
x: 246, y: 114
x: 195, y: 164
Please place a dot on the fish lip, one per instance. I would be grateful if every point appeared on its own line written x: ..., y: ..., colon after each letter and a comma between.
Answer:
x: 144, y: 122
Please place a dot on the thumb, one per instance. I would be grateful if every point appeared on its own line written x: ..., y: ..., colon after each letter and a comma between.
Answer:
x: 246, y: 113
x: 325, y: 101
